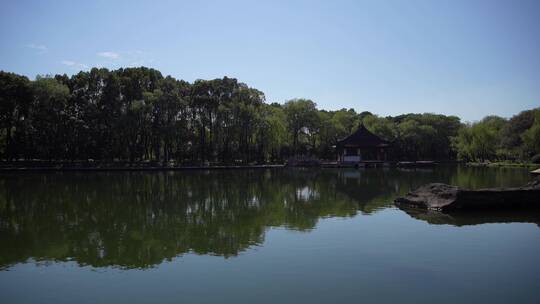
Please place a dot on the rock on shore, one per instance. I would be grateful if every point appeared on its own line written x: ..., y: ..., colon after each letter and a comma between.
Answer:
x: 443, y: 197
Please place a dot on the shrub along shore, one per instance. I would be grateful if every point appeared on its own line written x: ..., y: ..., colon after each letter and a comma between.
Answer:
x: 136, y: 116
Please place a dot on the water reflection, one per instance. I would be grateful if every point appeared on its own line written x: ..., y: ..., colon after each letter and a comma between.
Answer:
x: 475, y: 217
x: 138, y: 220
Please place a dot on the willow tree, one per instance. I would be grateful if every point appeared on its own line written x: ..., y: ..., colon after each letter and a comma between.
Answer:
x: 301, y: 119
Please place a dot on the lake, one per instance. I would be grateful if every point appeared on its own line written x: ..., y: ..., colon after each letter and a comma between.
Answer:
x: 260, y: 236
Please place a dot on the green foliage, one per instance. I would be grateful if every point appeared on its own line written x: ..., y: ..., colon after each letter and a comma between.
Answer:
x: 477, y: 142
x: 136, y: 114
x: 15, y: 101
x: 383, y: 127
x: 497, y: 139
x: 416, y: 136
x: 302, y: 121
x: 531, y: 136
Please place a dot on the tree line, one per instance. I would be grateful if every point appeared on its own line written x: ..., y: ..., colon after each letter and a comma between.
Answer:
x: 137, y: 114
x: 500, y: 139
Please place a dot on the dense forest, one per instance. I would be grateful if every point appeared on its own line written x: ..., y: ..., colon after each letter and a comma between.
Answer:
x: 136, y: 114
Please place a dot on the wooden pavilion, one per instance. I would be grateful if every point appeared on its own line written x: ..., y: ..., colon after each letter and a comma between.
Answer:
x: 362, y: 146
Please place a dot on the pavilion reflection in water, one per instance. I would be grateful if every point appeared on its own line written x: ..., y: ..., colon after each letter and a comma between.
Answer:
x: 138, y: 220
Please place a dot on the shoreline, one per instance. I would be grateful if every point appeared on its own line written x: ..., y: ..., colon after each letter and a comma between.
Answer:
x: 504, y: 165
x: 60, y: 166
x: 134, y: 168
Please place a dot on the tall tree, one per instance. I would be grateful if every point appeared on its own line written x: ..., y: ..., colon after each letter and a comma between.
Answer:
x: 301, y: 119
x: 15, y: 100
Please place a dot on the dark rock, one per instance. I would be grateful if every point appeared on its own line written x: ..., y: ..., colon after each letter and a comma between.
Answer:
x: 444, y: 197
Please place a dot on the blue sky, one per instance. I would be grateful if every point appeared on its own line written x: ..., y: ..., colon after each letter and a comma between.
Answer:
x: 466, y: 58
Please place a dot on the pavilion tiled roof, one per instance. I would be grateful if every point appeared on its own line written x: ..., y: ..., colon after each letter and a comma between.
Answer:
x: 363, y: 138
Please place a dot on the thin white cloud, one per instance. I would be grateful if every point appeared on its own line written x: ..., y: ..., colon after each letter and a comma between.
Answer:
x: 39, y: 47
x: 75, y: 65
x: 110, y: 55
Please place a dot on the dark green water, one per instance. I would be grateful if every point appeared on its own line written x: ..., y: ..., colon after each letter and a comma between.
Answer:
x: 259, y: 236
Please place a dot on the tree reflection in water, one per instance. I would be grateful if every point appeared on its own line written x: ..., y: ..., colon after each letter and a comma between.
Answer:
x: 139, y: 219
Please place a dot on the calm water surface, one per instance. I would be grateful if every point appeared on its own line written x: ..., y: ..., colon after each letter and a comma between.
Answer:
x: 259, y: 236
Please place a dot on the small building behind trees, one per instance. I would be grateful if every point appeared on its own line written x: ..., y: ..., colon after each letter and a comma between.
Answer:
x: 362, y: 146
